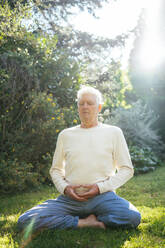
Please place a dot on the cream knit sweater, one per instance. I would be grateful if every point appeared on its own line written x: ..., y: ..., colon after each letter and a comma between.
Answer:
x: 91, y: 155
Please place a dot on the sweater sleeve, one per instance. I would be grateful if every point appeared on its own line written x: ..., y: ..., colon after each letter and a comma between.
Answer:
x: 122, y: 163
x: 57, y: 171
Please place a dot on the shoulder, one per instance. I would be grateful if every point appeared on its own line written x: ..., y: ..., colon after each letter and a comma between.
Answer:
x: 111, y: 128
x: 69, y: 130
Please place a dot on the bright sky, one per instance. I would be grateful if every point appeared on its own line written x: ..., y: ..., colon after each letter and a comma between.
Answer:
x: 117, y: 18
x: 120, y: 16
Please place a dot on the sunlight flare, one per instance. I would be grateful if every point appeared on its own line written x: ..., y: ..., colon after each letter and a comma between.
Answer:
x: 151, y: 54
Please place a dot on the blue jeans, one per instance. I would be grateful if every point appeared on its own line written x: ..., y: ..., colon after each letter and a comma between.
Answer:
x: 64, y: 212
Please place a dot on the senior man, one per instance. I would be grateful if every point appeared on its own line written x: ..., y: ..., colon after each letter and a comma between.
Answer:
x: 91, y: 161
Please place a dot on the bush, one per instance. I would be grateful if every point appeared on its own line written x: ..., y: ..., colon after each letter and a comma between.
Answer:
x: 143, y: 140
x: 32, y: 143
x: 37, y: 134
x: 143, y: 159
x: 137, y: 124
x: 17, y: 176
x: 71, y: 116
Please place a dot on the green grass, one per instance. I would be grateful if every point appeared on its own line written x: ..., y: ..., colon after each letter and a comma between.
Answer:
x: 146, y: 192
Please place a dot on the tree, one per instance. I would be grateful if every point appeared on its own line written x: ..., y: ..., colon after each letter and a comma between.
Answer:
x: 37, y: 81
x: 53, y: 17
x: 150, y: 84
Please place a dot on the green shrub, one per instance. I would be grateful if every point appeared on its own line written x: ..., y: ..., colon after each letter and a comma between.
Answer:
x: 137, y: 124
x: 33, y: 142
x: 43, y: 167
x: 143, y: 159
x: 17, y: 176
x: 37, y: 135
x: 71, y: 116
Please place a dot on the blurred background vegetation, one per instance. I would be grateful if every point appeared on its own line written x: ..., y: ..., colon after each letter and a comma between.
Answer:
x: 44, y: 63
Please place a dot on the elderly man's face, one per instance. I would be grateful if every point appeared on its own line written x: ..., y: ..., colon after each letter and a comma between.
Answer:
x: 88, y: 108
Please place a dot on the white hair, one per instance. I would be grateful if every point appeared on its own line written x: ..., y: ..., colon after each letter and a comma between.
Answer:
x: 90, y: 90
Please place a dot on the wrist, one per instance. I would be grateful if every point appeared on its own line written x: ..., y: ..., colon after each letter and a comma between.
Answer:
x: 65, y: 190
x: 98, y: 191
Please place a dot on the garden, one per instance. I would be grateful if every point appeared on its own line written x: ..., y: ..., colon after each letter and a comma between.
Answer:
x: 44, y: 61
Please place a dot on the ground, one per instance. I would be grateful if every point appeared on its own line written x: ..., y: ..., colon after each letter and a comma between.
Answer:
x: 146, y: 192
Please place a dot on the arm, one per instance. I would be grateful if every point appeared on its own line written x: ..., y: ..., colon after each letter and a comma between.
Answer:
x: 122, y: 163
x: 57, y: 171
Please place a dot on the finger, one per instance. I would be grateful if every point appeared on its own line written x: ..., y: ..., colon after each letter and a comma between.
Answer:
x: 82, y: 199
x: 89, y: 194
x: 74, y: 196
x: 87, y: 197
x: 85, y: 194
x: 87, y: 186
x: 76, y: 186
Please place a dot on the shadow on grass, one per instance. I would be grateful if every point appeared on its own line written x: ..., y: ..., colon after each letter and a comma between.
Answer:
x: 83, y: 238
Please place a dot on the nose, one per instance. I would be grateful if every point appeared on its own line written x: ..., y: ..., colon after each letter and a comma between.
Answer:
x: 85, y: 105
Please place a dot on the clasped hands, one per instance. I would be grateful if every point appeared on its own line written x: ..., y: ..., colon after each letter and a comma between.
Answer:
x: 72, y: 191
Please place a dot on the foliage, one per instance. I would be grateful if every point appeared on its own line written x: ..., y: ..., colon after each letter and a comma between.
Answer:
x: 149, y: 81
x: 22, y: 73
x: 17, y: 176
x: 113, y: 84
x: 43, y: 121
x: 55, y: 17
x: 146, y: 192
x: 65, y: 6
x: 143, y: 159
x: 137, y: 124
x: 71, y: 116
x: 145, y: 145
x: 10, y: 20
x: 36, y: 82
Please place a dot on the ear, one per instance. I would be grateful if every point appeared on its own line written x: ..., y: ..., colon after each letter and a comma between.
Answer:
x: 100, y: 107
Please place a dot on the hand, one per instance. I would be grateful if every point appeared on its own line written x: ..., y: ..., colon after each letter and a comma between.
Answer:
x: 70, y: 191
x: 93, y: 190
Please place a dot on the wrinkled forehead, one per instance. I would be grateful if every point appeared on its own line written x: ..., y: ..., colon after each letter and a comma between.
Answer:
x: 87, y: 97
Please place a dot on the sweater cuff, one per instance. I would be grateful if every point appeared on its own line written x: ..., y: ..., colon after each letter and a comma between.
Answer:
x: 62, y: 187
x: 102, y: 188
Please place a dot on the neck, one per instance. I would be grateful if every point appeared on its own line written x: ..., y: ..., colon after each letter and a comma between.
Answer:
x: 86, y: 124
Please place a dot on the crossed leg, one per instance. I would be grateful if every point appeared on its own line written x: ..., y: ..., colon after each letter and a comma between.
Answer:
x: 55, y: 213
x: 113, y: 210
x: 63, y: 212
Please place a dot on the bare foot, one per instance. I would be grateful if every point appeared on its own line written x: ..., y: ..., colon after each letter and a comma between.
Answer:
x: 91, y: 221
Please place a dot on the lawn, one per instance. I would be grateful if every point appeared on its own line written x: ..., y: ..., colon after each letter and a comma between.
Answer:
x: 146, y: 192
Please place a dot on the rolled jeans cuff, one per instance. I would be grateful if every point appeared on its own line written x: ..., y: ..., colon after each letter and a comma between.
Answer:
x: 75, y: 221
